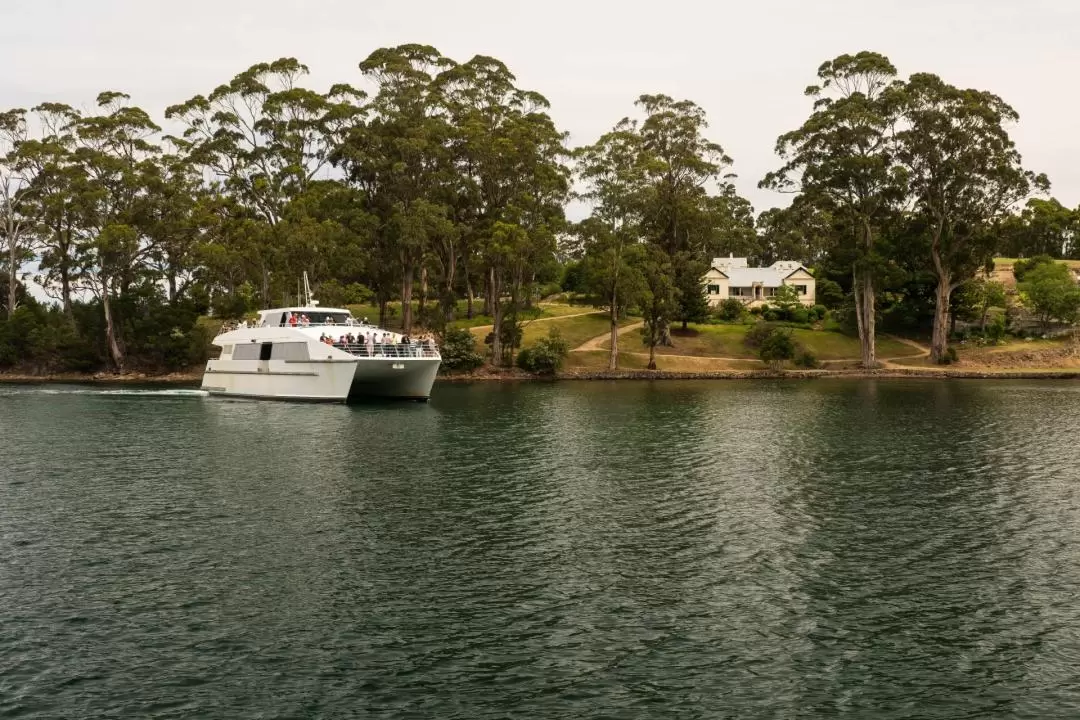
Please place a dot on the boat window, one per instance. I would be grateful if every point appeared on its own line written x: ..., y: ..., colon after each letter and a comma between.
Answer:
x: 329, y: 318
x: 266, y: 351
x: 290, y: 351
x: 246, y: 351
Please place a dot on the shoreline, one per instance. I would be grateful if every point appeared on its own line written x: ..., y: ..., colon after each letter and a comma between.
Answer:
x: 511, y: 376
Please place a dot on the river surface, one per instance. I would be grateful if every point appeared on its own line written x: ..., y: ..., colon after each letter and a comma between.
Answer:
x: 812, y: 549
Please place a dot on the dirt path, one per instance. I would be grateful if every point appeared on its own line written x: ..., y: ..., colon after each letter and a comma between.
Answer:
x: 889, y: 363
x: 484, y: 329
x: 597, y: 342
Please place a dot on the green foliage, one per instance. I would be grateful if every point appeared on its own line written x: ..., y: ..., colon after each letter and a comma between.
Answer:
x: 786, y: 298
x: 777, y: 347
x: 829, y: 293
x: 730, y: 309
x: 771, y: 316
x: 818, y: 312
x: 805, y: 359
x: 800, y: 315
x: 546, y: 357
x: 758, y: 334
x: 1022, y: 267
x: 1050, y: 291
x: 459, y: 351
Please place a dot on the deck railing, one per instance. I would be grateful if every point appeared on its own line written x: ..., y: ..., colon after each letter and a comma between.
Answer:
x: 388, y: 350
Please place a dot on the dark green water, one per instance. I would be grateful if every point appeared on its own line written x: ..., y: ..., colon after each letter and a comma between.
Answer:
x: 700, y: 550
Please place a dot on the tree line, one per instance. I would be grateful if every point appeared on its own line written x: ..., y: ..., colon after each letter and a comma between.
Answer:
x: 441, y: 187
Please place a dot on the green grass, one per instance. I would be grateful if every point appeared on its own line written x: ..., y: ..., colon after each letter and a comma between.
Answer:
x: 393, y: 322
x: 727, y: 341
x: 574, y: 330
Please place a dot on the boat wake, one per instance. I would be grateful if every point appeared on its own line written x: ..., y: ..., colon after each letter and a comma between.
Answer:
x: 115, y: 392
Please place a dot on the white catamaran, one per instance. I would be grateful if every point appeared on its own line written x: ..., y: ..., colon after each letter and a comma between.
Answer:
x: 308, y: 352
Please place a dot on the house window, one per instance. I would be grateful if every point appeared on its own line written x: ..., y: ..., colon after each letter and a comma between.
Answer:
x: 801, y: 289
x: 714, y: 289
x: 738, y: 292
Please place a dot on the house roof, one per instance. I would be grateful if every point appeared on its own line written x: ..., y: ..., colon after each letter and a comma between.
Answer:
x: 773, y: 276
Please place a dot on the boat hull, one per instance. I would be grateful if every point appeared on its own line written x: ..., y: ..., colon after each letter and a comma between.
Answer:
x: 354, y: 379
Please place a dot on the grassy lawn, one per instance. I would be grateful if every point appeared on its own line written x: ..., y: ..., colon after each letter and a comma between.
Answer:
x: 1004, y: 261
x: 598, y: 360
x: 574, y: 330
x: 727, y: 341
x: 393, y: 321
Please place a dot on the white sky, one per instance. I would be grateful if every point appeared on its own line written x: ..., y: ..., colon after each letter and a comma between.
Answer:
x: 746, y: 63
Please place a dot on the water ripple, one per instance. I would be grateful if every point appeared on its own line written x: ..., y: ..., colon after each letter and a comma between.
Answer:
x: 701, y: 550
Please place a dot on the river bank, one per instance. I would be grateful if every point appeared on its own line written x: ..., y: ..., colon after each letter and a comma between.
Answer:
x: 515, y: 375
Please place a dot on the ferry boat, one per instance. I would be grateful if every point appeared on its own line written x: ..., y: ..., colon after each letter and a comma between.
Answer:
x: 309, y: 352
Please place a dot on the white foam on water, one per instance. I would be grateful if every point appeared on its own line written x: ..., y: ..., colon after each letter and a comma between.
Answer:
x: 124, y: 392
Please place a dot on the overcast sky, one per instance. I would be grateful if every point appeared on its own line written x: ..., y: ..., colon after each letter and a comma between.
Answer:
x: 746, y: 63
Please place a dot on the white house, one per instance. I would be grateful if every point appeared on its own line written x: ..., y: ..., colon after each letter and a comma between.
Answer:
x: 730, y: 278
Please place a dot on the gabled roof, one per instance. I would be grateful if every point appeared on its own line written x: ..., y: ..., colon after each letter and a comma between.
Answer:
x: 772, y: 276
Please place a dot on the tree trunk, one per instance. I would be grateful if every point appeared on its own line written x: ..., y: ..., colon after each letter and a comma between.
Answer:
x: 652, y: 356
x: 497, y: 318
x: 382, y: 311
x: 864, y: 317
x: 468, y: 295
x: 939, y: 343
x: 613, y: 355
x: 422, y: 300
x: 172, y: 286
x: 13, y: 277
x: 406, y: 297
x: 115, y: 352
x: 265, y: 286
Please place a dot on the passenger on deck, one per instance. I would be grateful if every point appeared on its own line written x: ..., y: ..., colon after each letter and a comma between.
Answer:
x: 305, y: 320
x: 369, y: 341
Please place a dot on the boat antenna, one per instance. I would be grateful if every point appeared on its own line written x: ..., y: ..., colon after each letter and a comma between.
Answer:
x: 308, y: 300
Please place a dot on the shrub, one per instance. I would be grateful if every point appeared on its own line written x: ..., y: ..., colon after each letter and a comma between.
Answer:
x: 829, y: 293
x: 758, y: 334
x: 800, y: 315
x: 950, y: 357
x: 459, y: 351
x: 755, y: 310
x: 546, y: 356
x: 730, y: 309
x: 777, y: 348
x: 772, y: 316
x: 995, y: 331
x: 804, y: 358
x: 549, y: 289
x: 819, y: 311
x: 1022, y: 267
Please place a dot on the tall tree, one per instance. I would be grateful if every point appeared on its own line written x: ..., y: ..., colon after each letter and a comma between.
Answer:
x: 614, y: 176
x: 265, y: 138
x: 964, y: 173
x: 17, y: 236
x: 842, y: 157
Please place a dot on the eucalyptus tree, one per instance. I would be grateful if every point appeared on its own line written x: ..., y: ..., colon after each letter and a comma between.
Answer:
x: 683, y: 170
x: 510, y: 180
x: 842, y: 157
x: 399, y: 159
x: 1042, y: 227
x: 17, y: 231
x: 964, y: 173
x: 116, y: 156
x: 264, y: 137
x: 614, y: 177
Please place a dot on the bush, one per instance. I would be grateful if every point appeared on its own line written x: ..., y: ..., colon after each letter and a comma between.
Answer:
x: 755, y: 310
x: 1022, y: 267
x: 819, y: 312
x: 459, y: 351
x: 772, y: 316
x: 777, y: 348
x: 546, y: 356
x: 758, y: 334
x: 730, y: 310
x: 829, y: 293
x: 549, y: 289
x: 805, y: 359
x: 995, y: 331
x: 800, y: 315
